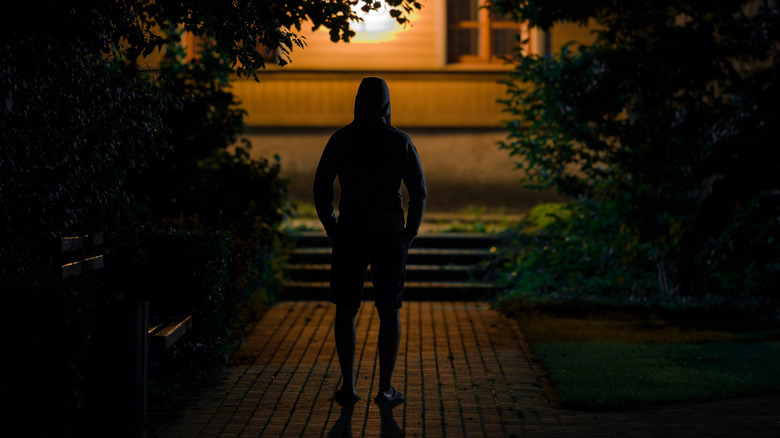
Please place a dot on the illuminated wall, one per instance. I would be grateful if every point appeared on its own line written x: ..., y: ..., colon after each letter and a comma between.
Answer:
x: 449, y: 109
x: 317, y: 88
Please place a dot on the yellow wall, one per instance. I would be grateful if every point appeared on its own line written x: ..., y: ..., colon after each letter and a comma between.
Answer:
x: 417, y: 99
x: 318, y: 87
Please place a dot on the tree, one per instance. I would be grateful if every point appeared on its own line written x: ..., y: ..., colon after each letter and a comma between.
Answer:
x: 72, y: 68
x: 670, y: 119
x: 80, y: 112
x: 81, y: 116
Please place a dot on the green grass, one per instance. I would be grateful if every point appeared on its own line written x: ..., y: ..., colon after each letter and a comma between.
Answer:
x: 617, y: 375
x: 614, y: 359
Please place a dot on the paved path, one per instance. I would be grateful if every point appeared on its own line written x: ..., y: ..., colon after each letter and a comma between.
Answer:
x: 463, y: 366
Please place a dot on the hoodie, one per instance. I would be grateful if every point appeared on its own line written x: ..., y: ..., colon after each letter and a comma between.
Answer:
x: 371, y: 159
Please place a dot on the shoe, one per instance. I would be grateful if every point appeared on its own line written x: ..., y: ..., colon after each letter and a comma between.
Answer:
x: 397, y: 397
x: 342, y: 397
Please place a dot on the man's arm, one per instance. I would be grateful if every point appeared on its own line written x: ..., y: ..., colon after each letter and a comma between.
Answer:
x: 414, y: 179
x: 323, y: 188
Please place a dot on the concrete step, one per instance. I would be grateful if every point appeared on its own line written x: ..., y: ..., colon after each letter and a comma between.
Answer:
x: 440, y: 267
x: 443, y: 240
x: 414, y: 273
x: 417, y: 256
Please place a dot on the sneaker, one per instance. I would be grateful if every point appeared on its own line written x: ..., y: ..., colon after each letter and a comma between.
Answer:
x: 396, y: 397
x: 343, y: 397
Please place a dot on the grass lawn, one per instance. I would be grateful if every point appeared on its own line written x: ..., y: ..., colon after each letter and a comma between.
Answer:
x: 618, y: 359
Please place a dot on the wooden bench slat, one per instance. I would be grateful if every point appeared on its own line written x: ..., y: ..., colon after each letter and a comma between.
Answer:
x: 71, y: 269
x: 68, y: 244
x: 76, y: 268
x: 79, y: 254
x: 155, y: 328
x: 80, y: 243
x: 166, y: 334
x: 94, y: 262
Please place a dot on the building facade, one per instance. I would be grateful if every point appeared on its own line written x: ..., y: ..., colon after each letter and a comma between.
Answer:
x: 443, y: 70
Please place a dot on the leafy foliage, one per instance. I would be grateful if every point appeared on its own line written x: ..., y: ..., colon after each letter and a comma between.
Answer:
x: 245, y: 31
x: 209, y: 172
x: 79, y: 115
x: 70, y: 136
x: 88, y: 134
x: 666, y: 124
x: 210, y: 186
x: 578, y: 254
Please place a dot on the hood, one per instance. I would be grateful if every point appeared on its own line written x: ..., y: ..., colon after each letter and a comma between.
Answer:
x: 372, y: 103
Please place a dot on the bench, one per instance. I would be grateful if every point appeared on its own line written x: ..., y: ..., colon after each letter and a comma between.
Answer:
x: 76, y: 255
x: 123, y: 338
x: 163, y: 334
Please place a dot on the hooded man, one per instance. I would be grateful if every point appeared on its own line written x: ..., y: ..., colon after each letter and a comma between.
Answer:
x: 371, y: 159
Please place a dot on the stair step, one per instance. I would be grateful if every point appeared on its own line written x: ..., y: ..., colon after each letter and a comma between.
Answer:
x: 418, y: 256
x: 447, y: 240
x: 439, y: 267
x: 321, y: 272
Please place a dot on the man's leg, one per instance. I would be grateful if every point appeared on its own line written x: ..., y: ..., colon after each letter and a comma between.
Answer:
x: 344, y: 330
x: 348, y: 273
x: 389, y: 341
x: 388, y: 269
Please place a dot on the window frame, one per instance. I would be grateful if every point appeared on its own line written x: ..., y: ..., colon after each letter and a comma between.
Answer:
x: 484, y: 25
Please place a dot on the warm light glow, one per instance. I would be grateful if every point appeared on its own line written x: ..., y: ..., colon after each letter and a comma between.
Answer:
x: 377, y: 26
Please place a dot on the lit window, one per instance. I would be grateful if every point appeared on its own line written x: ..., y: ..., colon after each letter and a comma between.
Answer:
x: 475, y: 35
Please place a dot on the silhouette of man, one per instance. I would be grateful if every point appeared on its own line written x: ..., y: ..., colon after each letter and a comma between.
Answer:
x: 371, y: 159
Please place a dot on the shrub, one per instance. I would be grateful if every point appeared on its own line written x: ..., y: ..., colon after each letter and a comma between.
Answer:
x: 664, y: 121
x: 579, y: 253
x: 209, y: 222
x: 584, y: 254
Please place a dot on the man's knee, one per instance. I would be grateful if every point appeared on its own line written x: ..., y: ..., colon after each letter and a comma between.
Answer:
x: 346, y: 312
x: 388, y: 313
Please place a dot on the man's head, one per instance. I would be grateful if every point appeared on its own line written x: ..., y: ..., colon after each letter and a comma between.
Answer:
x: 372, y: 103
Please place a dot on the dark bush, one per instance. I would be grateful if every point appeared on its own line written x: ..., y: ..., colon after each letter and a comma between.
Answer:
x: 575, y: 253
x: 663, y: 129
x: 582, y: 254
x: 209, y: 239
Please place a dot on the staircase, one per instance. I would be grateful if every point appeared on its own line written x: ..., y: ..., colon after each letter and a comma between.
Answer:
x: 441, y: 267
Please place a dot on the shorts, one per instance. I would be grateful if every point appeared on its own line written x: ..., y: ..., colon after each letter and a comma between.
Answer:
x: 387, y: 254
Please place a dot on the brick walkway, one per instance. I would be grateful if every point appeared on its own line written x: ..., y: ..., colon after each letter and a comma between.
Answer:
x: 461, y: 365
